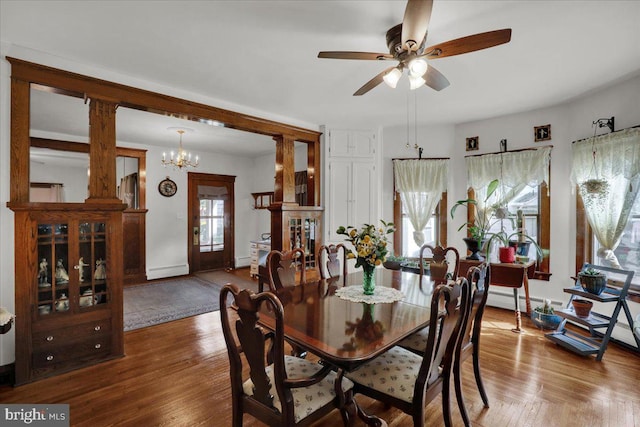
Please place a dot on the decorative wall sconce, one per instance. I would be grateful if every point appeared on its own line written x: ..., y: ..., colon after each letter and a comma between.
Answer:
x: 610, y: 123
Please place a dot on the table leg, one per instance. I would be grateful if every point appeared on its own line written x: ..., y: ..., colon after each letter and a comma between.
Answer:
x: 525, y: 282
x: 349, y: 407
x: 518, y: 328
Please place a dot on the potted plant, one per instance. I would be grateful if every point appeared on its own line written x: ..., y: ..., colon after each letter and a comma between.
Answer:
x: 592, y: 280
x: 544, y: 316
x: 481, y: 224
x: 582, y: 307
x: 393, y: 262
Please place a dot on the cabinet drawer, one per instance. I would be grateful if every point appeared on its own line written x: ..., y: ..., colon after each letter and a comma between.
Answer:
x: 63, y: 336
x: 89, y: 348
x: 264, y: 247
x: 254, y: 251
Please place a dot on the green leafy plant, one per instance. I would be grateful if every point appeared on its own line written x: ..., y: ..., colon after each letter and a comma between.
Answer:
x: 369, y: 242
x: 482, y: 223
x: 546, y: 308
x: 504, y: 238
x: 591, y: 272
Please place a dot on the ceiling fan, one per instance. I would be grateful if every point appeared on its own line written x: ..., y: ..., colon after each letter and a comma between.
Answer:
x: 407, y: 41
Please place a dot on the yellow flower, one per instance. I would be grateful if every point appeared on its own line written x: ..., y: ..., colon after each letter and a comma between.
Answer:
x: 350, y: 255
x: 353, y: 233
x: 378, y: 262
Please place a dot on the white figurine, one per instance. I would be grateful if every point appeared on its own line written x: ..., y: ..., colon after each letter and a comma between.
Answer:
x: 101, y: 272
x: 61, y: 273
x: 43, y: 274
x: 81, y: 265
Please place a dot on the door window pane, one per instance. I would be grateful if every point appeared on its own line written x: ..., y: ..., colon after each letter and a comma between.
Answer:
x: 211, y: 225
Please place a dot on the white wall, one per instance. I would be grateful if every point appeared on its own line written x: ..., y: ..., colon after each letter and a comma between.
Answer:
x: 74, y: 180
x: 569, y: 122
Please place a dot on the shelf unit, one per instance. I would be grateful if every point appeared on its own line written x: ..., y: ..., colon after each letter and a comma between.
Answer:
x: 597, y: 341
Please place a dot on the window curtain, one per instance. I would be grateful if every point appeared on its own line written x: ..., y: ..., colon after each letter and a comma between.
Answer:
x: 515, y: 170
x: 614, y: 158
x: 420, y: 184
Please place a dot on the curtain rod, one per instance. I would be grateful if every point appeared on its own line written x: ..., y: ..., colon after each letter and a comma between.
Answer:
x: 615, y: 131
x: 422, y: 158
x: 509, y: 151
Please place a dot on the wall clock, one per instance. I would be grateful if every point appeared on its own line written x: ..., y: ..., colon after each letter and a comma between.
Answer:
x: 167, y: 187
x: 542, y: 133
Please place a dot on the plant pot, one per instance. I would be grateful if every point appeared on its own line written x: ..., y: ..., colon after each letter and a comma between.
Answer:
x: 544, y: 320
x: 593, y: 284
x: 474, y: 247
x: 507, y: 254
x: 582, y: 307
x: 521, y: 248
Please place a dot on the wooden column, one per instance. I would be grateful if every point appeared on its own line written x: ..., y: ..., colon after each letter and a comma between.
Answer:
x: 20, y: 110
x: 285, y: 183
x: 313, y: 173
x: 102, y: 151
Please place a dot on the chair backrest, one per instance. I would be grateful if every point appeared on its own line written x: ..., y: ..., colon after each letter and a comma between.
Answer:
x: 449, y: 306
x: 283, y: 266
x: 331, y: 253
x: 479, y: 279
x: 249, y: 338
x: 442, y: 261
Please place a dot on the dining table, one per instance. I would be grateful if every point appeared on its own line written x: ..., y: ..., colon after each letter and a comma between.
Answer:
x: 345, y: 332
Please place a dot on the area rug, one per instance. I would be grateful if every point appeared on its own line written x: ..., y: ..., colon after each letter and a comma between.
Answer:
x: 154, y: 303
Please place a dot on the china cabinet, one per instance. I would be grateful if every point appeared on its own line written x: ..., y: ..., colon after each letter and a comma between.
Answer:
x: 70, y: 289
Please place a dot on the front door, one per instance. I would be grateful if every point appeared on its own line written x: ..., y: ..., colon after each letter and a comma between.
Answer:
x: 210, y: 221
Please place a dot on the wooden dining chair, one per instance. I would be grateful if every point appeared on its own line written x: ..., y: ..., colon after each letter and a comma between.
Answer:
x: 333, y: 264
x: 287, y: 392
x: 469, y: 342
x: 408, y: 381
x: 441, y: 262
x: 284, y: 266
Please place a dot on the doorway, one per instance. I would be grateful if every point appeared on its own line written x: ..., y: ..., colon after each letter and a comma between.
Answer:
x: 211, y: 211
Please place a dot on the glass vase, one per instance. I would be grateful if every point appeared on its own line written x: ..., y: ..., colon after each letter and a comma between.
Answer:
x: 369, y: 279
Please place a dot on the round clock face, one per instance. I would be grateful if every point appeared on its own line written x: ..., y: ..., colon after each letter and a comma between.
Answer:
x: 167, y: 187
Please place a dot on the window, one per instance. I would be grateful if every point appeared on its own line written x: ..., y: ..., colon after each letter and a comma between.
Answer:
x: 524, y: 175
x: 627, y: 252
x: 435, y: 231
x: 211, y: 225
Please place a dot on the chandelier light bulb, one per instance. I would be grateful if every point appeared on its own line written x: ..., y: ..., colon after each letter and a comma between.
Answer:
x: 415, y: 82
x: 392, y: 77
x: 181, y: 158
x: 418, y: 67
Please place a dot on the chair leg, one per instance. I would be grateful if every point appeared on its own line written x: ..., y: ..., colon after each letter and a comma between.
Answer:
x: 446, y: 402
x: 457, y: 380
x: 476, y: 372
x: 237, y: 415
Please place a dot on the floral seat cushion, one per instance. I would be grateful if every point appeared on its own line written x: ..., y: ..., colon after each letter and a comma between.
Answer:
x: 393, y: 373
x: 416, y: 341
x: 307, y: 400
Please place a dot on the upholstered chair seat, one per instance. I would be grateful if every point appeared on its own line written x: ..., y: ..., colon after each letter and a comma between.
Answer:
x: 306, y: 400
x: 417, y: 342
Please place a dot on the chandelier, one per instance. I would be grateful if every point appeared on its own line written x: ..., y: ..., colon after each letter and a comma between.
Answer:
x: 181, y: 159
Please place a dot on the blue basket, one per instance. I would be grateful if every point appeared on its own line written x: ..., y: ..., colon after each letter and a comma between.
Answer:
x: 545, y: 321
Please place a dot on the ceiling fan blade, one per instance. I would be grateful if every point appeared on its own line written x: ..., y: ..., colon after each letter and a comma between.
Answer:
x: 434, y: 79
x: 469, y: 43
x: 354, y: 55
x: 415, y: 23
x: 372, y: 83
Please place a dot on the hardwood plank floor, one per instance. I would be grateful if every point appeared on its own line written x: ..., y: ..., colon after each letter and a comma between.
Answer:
x: 177, y: 374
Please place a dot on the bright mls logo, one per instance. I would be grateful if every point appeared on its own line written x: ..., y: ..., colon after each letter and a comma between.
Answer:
x: 34, y: 415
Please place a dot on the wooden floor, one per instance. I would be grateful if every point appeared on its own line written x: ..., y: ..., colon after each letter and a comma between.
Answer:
x: 177, y: 374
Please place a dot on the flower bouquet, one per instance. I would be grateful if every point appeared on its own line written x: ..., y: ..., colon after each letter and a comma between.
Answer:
x: 370, y: 245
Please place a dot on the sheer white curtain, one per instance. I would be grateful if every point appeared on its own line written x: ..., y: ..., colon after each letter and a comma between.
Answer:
x: 617, y: 161
x: 515, y: 170
x: 420, y: 184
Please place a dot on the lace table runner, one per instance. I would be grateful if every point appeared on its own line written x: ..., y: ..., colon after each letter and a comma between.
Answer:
x: 382, y: 294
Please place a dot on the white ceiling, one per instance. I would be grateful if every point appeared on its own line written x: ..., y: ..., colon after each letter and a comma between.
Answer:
x: 261, y: 56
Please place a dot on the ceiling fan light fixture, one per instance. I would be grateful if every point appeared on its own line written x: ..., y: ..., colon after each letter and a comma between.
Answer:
x: 415, y: 82
x: 417, y: 67
x: 392, y: 77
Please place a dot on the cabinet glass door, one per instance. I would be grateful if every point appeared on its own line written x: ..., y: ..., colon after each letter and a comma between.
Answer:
x: 92, y: 264
x: 52, y: 280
